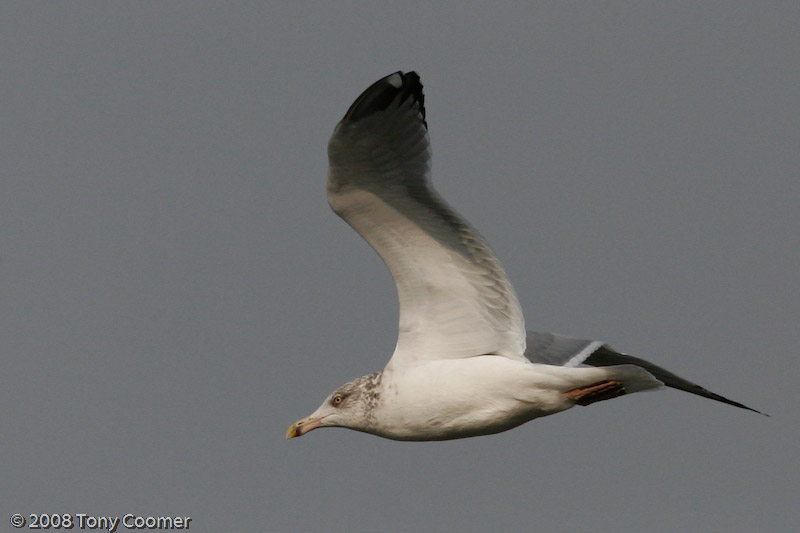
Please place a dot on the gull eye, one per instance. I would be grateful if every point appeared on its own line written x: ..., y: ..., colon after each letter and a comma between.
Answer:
x: 337, y: 399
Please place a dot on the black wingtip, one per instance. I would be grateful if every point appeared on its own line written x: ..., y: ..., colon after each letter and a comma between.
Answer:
x: 733, y: 403
x: 397, y: 86
x: 606, y: 356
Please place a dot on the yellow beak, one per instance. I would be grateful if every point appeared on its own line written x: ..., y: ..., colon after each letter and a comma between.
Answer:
x: 292, y: 432
x: 301, y: 427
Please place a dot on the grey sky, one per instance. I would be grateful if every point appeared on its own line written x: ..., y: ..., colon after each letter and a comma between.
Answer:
x: 174, y: 290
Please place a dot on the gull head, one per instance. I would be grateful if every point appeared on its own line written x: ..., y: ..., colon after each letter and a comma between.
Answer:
x: 350, y: 406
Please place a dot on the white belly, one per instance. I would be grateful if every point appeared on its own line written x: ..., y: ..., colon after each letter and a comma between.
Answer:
x: 448, y: 399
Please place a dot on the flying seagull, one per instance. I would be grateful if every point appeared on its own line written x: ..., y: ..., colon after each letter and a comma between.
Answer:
x: 464, y: 364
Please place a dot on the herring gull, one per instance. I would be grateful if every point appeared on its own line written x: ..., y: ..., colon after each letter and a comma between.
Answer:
x: 463, y: 364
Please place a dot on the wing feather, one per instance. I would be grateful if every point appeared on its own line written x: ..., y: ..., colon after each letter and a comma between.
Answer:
x: 558, y: 350
x: 455, y: 297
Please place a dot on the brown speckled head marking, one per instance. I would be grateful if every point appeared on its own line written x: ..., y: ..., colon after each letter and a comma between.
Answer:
x: 365, y: 391
x: 371, y: 390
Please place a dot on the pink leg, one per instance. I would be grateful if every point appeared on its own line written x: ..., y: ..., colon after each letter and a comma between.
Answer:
x: 605, y: 390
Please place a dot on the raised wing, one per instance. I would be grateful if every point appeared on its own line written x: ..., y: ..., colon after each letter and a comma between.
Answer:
x: 552, y: 349
x: 455, y: 297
